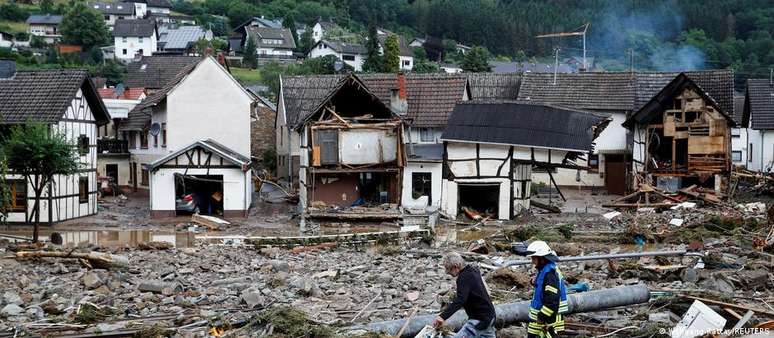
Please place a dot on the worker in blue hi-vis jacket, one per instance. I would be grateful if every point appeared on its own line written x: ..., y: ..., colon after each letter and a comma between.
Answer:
x: 549, y: 302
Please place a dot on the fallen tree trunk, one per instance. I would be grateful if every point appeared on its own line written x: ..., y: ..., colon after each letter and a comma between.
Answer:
x: 96, y: 259
x: 518, y: 312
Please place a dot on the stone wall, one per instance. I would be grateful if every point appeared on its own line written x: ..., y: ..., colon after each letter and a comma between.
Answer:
x: 262, y: 135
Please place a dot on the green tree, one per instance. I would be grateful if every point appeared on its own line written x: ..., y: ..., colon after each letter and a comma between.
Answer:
x: 289, y: 22
x: 373, y: 61
x: 425, y: 66
x: 476, y: 60
x: 37, y: 42
x: 306, y: 42
x: 12, y: 12
x: 250, y: 53
x: 239, y: 12
x: 47, y: 6
x: 38, y: 155
x: 84, y: 26
x: 391, y: 62
x: 112, y: 70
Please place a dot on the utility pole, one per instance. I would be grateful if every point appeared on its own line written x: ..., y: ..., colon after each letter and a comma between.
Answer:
x: 556, y: 62
x: 580, y: 31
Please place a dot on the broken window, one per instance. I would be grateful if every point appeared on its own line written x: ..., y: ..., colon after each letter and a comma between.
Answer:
x: 83, y: 145
x: 593, y: 162
x: 736, y: 156
x: 421, y: 185
x: 83, y: 189
x: 328, y: 144
x: 17, y: 194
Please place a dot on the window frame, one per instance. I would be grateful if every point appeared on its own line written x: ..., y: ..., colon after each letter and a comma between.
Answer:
x: 14, y: 198
x: 426, y: 135
x: 83, y: 145
x: 426, y: 188
x: 83, y: 189
x: 734, y: 154
x: 593, y: 158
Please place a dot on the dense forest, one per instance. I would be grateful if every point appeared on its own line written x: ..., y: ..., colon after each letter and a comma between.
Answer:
x: 654, y: 34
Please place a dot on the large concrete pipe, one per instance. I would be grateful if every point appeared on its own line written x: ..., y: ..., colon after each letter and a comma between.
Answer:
x: 518, y: 312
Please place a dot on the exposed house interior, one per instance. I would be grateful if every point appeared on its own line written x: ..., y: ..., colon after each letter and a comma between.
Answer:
x: 479, y: 199
x: 201, y: 194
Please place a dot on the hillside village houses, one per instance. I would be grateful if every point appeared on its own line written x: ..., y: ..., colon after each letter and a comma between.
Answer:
x: 67, y: 101
x: 115, y: 11
x: 154, y: 72
x: 112, y: 150
x: 352, y: 54
x: 45, y: 26
x: 319, y: 29
x: 133, y: 38
x: 273, y: 42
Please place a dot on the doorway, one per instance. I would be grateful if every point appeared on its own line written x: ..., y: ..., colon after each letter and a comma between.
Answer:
x: 615, y: 174
x: 111, y: 170
x: 479, y: 199
x: 201, y: 194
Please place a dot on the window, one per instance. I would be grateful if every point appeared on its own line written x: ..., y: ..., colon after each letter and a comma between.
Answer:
x: 406, y: 63
x: 155, y: 141
x: 124, y: 51
x: 18, y: 195
x: 83, y: 189
x: 123, y: 39
x: 426, y: 135
x: 421, y: 185
x: 750, y: 153
x: 139, y: 39
x: 347, y: 57
x: 320, y: 46
x: 735, y: 132
x: 144, y: 175
x: 143, y: 140
x: 593, y: 162
x: 139, y: 51
x: 163, y: 134
x: 131, y: 138
x: 736, y: 156
x: 107, y: 17
x: 83, y: 145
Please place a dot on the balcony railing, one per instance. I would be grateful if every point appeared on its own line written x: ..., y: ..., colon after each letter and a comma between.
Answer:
x: 112, y: 147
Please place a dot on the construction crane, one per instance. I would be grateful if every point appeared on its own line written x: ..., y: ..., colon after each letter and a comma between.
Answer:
x: 580, y: 31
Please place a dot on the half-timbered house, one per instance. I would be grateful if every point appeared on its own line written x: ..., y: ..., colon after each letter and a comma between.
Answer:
x: 68, y: 103
x: 491, y: 148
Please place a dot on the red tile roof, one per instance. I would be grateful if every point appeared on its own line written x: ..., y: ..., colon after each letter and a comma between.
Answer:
x: 129, y: 93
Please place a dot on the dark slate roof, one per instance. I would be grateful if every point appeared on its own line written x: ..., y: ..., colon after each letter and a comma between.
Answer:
x: 427, y: 152
x: 134, y: 28
x: 519, y: 124
x: 44, y: 19
x: 153, y: 72
x: 760, y: 102
x: 210, y: 145
x: 119, y: 8
x: 343, y: 47
x: 527, y: 67
x: 654, y: 107
x: 43, y: 96
x: 491, y: 86
x: 284, y: 34
x: 596, y: 91
x: 738, y: 109
x: 718, y: 84
x: 159, y: 3
x: 431, y: 97
x: 303, y: 94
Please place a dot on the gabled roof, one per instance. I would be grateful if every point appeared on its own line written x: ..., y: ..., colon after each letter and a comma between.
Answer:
x: 44, y: 19
x: 159, y: 3
x: 491, y: 86
x: 119, y: 8
x: 597, y: 91
x: 284, y: 34
x: 431, y: 97
x: 759, y: 105
x: 718, y: 84
x: 655, y: 106
x: 343, y: 47
x: 179, y: 37
x: 128, y: 94
x: 526, y: 125
x: 43, y: 96
x: 209, y: 145
x: 153, y: 72
x: 134, y: 28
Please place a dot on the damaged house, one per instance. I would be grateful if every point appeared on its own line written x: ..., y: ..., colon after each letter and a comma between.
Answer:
x: 350, y: 143
x: 682, y: 137
x: 68, y: 102
x: 490, y: 149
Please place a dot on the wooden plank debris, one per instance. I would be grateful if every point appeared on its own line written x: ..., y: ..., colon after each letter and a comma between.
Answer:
x: 211, y: 222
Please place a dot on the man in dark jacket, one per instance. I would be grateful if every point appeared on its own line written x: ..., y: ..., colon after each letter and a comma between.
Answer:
x: 472, y: 296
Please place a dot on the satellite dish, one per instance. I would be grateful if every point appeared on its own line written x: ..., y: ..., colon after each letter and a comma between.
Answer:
x: 155, y: 129
x: 338, y: 65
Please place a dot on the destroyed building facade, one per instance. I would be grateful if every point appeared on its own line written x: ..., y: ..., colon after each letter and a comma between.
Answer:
x: 682, y: 137
x: 350, y: 143
x: 491, y: 148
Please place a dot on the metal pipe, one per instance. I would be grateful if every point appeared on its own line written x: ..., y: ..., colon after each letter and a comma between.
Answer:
x: 518, y: 312
x: 612, y: 256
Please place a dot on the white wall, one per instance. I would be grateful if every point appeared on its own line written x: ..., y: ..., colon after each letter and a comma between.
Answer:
x: 317, y: 32
x: 123, y: 168
x: 140, y: 9
x: 740, y: 143
x: 273, y: 51
x: 236, y: 186
x: 133, y: 45
x: 209, y: 104
x: 118, y: 108
x: 158, y: 10
x: 357, y: 64
x: 359, y: 146
x: 404, y: 60
x: 434, y: 168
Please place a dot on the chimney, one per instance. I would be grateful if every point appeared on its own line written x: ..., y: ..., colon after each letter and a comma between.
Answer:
x: 398, y: 95
x: 222, y: 59
x: 7, y: 69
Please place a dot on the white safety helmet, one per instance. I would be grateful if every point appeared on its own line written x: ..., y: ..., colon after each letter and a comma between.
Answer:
x: 539, y: 249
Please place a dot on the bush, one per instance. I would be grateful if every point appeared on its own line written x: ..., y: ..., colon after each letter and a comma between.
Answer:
x: 13, y: 12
